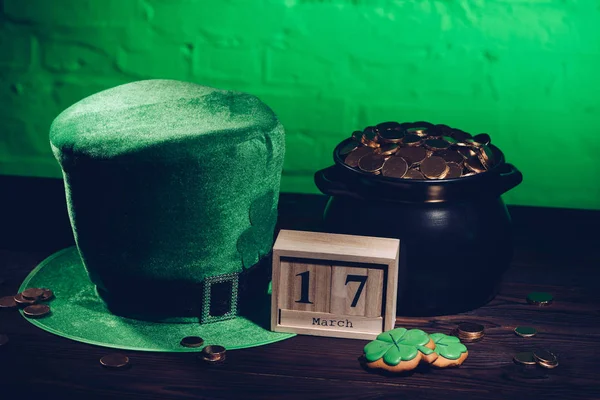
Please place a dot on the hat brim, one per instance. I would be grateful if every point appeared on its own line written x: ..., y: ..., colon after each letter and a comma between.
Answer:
x: 78, y: 313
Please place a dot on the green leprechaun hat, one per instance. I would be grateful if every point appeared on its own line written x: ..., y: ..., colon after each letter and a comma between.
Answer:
x: 172, y: 192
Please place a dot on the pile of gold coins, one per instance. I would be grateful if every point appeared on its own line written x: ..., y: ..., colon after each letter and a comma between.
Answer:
x: 30, y: 299
x: 418, y: 150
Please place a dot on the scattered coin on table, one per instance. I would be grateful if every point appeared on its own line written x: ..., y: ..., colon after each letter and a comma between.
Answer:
x: 547, y: 365
x: 525, y: 331
x: 214, y: 354
x: 20, y: 299
x: 115, y: 361
x: 8, y: 302
x: 470, y: 331
x: 36, y: 310
x: 3, y: 339
x: 192, y: 341
x: 540, y: 298
x: 32, y: 293
x: 47, y: 295
x: 545, y: 358
x: 525, y: 358
x: 430, y: 151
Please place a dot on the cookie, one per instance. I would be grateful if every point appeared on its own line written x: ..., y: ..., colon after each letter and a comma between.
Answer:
x: 450, y: 350
x: 400, y: 350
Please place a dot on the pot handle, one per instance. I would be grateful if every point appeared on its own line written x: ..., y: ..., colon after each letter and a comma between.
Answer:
x: 509, y: 178
x: 328, y: 181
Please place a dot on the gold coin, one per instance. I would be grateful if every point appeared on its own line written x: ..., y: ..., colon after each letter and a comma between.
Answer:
x: 36, y: 310
x: 387, y: 149
x: 454, y: 171
x: 525, y: 331
x: 434, y: 167
x: 348, y: 148
x: 486, y: 156
x: 470, y: 339
x: 525, y: 358
x: 192, y: 341
x: 32, y: 293
x: 482, y: 138
x: 450, y: 155
x: 352, y: 159
x: 115, y: 360
x: 545, y: 356
x: 395, y: 167
x: 22, y: 300
x: 450, y: 139
x: 371, y: 162
x: 470, y: 335
x: 412, y: 155
x: 470, y: 328
x: 474, y: 165
x: 388, y: 126
x: 540, y: 298
x: 214, y: 354
x: 369, y: 137
x: 444, y: 130
x: 390, y: 132
x: 466, y: 152
x: 436, y: 144
x: 414, y: 174
x: 422, y: 126
x: 473, y: 144
x: 547, y: 365
x: 420, y: 131
x: 8, y: 302
x: 465, y: 335
x: 411, y: 140
x: 466, y: 174
x: 390, y: 136
x: 459, y: 135
x: 48, y: 294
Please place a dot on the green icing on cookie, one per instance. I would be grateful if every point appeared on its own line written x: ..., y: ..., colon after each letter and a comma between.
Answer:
x: 448, y: 347
x: 397, y: 345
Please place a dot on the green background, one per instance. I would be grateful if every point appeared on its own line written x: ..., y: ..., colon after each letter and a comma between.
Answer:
x: 524, y: 71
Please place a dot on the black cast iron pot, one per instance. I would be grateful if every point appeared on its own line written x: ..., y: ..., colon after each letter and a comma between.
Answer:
x: 455, y: 234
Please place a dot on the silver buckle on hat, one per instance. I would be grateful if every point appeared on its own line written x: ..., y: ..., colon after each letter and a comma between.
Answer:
x: 206, y: 317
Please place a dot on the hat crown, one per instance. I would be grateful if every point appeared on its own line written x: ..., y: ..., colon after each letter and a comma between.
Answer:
x: 138, y: 115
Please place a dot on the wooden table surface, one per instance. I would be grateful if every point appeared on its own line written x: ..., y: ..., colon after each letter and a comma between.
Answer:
x: 556, y: 252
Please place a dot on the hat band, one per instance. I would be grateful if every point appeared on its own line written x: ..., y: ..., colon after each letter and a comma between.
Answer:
x: 215, y: 299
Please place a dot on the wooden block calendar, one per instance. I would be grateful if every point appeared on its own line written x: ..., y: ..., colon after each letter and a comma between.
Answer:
x: 335, y: 285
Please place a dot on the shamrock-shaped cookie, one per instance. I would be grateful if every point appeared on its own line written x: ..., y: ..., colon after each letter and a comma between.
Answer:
x: 451, y: 351
x: 400, y: 350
